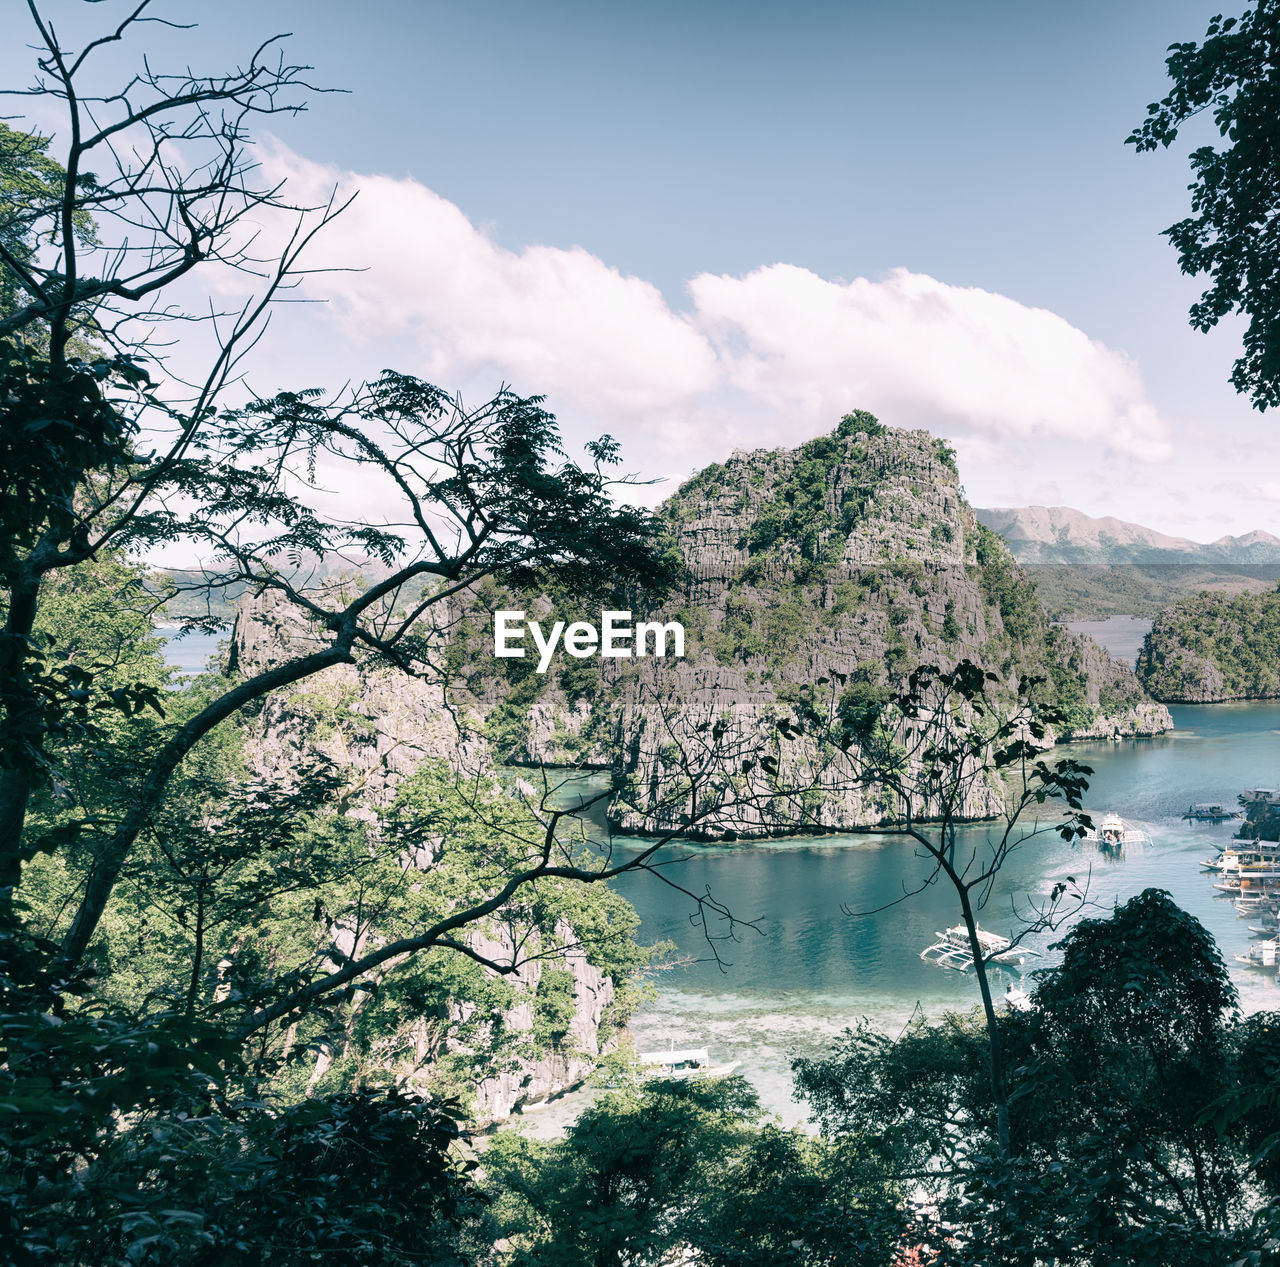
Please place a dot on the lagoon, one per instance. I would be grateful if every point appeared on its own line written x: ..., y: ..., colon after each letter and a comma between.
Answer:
x: 188, y: 653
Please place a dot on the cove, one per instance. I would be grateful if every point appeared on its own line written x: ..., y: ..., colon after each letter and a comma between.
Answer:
x: 810, y: 970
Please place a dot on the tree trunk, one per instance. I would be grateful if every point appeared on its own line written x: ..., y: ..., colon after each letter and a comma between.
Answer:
x: 21, y: 734
x: 999, y: 1086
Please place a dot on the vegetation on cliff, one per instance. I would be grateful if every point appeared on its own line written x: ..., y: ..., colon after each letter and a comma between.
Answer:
x: 865, y: 528
x: 852, y: 559
x: 1214, y: 647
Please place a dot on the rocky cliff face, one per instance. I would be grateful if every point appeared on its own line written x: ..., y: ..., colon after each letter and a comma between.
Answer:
x: 852, y: 559
x: 372, y: 720
x: 1214, y: 647
x: 381, y: 726
x: 589, y: 1035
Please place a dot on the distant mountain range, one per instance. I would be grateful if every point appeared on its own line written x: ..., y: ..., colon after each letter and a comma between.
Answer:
x: 1058, y: 534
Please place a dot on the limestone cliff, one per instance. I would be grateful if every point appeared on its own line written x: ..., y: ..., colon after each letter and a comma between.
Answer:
x: 381, y: 726
x: 372, y: 720
x: 853, y: 558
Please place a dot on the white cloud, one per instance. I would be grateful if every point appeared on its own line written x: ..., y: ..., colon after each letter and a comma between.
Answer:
x: 921, y: 352
x: 1235, y: 491
x: 771, y: 357
x: 561, y: 322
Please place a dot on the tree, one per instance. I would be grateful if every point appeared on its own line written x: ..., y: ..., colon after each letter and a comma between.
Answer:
x: 1131, y: 1044
x: 628, y: 1182
x: 673, y: 1168
x: 482, y: 491
x: 946, y: 749
x: 1233, y: 233
x: 125, y: 807
x: 30, y: 181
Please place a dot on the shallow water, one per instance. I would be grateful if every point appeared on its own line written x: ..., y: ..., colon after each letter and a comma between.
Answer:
x: 188, y: 653
x: 807, y: 969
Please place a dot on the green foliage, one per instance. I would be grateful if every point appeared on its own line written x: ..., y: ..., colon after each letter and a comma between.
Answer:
x: 1214, y: 646
x: 1114, y: 1159
x: 625, y: 1185
x: 706, y: 481
x: 1235, y: 194
x: 951, y: 630
x: 209, y: 981
x: 803, y: 512
x: 1069, y: 693
x: 859, y: 420
x: 1006, y: 587
x: 945, y: 454
x: 31, y: 186
x: 740, y: 634
x: 1094, y: 592
x: 358, y: 1179
x: 579, y: 679
x: 861, y: 706
x: 1120, y: 1068
x: 506, y: 726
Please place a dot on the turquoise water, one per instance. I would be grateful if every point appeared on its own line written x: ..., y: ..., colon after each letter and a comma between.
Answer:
x: 809, y: 969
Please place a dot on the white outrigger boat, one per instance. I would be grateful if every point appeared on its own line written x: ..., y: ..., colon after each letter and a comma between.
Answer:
x: 1261, y: 955
x: 952, y: 949
x: 1016, y: 999
x: 1113, y: 832
x: 1256, y: 881
x: 687, y: 1062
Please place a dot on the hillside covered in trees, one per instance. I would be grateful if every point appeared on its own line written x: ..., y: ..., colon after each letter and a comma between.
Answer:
x: 1214, y: 647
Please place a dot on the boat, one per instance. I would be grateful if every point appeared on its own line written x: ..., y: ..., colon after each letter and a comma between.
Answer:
x: 1209, y: 812
x: 953, y: 949
x: 1263, y: 856
x: 1113, y: 832
x: 1258, y: 901
x: 1016, y: 999
x: 1261, y: 886
x: 1260, y: 955
x: 682, y: 1063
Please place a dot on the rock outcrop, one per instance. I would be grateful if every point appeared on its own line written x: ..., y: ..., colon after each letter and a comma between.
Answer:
x: 365, y: 717
x: 588, y: 1037
x: 851, y: 559
x: 1214, y: 647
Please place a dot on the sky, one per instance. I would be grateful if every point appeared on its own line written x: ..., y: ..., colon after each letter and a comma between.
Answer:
x: 703, y: 226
